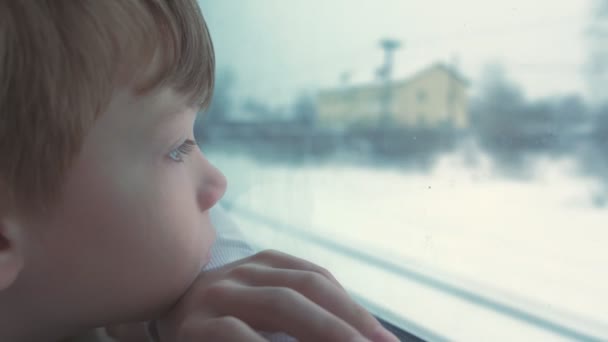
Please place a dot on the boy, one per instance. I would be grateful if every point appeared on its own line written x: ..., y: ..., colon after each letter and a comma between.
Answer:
x: 105, y: 197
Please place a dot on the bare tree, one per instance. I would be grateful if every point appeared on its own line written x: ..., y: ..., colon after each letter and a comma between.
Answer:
x: 223, y: 97
x: 305, y: 109
x: 597, y: 63
x: 221, y: 106
x: 512, y: 128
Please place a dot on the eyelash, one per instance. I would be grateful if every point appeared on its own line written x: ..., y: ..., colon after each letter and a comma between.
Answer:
x: 183, y: 150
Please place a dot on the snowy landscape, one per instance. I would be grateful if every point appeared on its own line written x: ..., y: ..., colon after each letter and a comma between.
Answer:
x: 453, y: 176
x: 539, y: 243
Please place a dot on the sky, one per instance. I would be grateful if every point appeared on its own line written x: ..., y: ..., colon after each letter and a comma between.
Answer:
x: 279, y: 48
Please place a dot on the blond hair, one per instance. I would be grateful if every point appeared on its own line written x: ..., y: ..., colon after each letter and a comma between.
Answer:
x: 59, y: 63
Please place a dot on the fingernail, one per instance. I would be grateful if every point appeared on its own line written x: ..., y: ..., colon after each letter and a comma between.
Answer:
x: 383, y: 335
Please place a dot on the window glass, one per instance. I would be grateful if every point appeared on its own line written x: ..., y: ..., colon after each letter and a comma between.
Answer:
x: 446, y: 160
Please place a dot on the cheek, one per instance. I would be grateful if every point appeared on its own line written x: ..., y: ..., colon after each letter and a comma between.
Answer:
x: 182, y: 223
x: 159, y: 221
x: 143, y: 235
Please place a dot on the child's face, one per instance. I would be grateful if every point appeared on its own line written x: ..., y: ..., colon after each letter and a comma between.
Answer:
x: 132, y: 229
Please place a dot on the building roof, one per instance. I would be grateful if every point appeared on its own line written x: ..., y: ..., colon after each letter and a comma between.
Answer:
x: 404, y: 81
x: 448, y: 69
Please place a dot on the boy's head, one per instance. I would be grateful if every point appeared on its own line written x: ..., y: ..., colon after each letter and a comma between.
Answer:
x: 104, y: 197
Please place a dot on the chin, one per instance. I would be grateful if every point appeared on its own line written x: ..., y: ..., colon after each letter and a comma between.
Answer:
x: 206, y: 254
x: 209, y: 239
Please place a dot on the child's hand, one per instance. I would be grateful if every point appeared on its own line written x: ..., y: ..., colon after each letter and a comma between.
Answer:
x: 131, y: 332
x: 269, y: 291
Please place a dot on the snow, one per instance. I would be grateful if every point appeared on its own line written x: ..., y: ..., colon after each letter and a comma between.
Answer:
x: 539, y: 244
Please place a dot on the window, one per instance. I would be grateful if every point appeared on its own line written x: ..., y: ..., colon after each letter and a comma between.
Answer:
x: 421, y: 96
x: 423, y: 119
x: 374, y: 106
x: 452, y: 97
x: 493, y: 229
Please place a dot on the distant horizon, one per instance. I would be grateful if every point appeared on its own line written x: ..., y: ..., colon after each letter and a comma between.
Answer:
x: 278, y: 49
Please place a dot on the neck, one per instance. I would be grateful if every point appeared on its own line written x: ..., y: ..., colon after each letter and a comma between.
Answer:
x: 12, y: 329
x: 30, y: 317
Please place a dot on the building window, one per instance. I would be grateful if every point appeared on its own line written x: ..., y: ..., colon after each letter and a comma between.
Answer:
x: 422, y: 96
x: 422, y: 119
x: 453, y: 97
x: 374, y: 107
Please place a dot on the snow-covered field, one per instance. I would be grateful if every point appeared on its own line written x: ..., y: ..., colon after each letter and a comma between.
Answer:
x: 539, y: 242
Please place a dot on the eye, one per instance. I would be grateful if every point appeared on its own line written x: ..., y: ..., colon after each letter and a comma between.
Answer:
x: 182, y: 151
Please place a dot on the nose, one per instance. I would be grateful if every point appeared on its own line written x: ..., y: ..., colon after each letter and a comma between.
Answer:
x: 211, y: 187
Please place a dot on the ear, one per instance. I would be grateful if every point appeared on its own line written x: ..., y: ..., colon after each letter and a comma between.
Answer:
x: 11, y: 257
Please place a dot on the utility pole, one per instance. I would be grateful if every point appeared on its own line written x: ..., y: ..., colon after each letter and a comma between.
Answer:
x: 385, y: 74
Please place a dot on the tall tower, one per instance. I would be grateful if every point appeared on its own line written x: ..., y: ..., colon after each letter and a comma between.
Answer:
x: 385, y: 73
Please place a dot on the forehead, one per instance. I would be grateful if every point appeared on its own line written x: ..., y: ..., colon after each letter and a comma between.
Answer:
x: 135, y: 111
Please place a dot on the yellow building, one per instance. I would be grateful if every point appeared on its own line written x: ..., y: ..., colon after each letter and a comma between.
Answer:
x: 432, y: 97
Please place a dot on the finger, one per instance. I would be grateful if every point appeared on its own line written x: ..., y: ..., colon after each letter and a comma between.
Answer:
x: 128, y: 332
x: 280, y: 309
x: 318, y: 289
x: 226, y: 328
x: 278, y: 259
